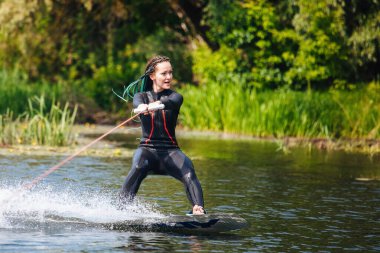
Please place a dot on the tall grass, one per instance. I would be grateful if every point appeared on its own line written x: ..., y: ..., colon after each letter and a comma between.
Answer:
x: 39, y: 125
x: 229, y: 108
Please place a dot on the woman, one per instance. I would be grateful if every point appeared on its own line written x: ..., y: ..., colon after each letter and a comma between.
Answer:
x: 158, y: 152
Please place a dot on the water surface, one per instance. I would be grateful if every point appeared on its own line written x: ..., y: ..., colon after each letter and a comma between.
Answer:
x: 302, y: 201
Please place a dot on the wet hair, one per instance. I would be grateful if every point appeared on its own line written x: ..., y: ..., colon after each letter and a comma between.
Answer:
x: 143, y: 83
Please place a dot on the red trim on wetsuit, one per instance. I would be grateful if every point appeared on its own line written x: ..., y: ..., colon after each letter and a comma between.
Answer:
x: 163, y: 114
x: 152, y: 128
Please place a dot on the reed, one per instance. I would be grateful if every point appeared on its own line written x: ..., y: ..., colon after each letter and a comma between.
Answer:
x: 282, y: 113
x: 39, y: 125
x: 9, y: 133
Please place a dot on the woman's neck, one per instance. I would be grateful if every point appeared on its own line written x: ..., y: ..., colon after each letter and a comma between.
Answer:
x: 157, y: 89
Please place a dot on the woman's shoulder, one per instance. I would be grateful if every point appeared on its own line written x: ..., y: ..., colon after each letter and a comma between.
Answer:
x: 139, y: 97
x: 141, y: 94
x: 173, y: 93
x: 176, y: 97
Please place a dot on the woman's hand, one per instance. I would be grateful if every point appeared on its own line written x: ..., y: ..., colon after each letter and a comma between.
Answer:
x: 158, y: 102
x: 142, y: 108
x: 154, y: 106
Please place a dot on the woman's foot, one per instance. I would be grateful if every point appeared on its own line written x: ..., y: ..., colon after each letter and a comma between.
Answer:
x: 198, y: 210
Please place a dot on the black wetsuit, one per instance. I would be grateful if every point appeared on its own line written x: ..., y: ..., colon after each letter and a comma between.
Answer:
x: 158, y: 152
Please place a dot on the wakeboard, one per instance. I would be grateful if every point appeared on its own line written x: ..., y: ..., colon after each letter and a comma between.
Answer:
x: 207, y: 223
x: 187, y: 224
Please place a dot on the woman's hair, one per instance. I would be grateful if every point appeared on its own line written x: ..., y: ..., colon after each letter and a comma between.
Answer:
x: 143, y: 83
x: 151, y: 67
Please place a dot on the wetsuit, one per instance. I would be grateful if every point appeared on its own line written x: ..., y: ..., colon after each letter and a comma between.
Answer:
x: 158, y: 152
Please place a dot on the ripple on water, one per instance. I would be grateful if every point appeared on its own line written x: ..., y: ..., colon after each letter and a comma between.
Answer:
x: 304, y: 201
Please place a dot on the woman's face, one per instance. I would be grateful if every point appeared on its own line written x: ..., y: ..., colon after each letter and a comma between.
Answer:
x: 162, y: 76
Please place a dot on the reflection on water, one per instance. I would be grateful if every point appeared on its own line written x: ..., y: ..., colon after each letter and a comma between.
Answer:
x: 301, y: 201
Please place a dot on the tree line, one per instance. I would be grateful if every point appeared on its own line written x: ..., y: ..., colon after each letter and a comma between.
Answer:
x: 261, y: 44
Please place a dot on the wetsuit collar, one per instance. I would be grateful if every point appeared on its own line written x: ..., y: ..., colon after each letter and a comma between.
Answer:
x: 157, y: 95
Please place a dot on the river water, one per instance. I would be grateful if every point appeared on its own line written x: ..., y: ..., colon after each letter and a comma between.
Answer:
x: 299, y: 201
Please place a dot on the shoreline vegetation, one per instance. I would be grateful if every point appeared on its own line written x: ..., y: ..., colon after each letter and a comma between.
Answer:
x: 106, y: 148
x: 285, y: 144
x: 39, y: 125
x: 331, y: 114
x: 331, y: 120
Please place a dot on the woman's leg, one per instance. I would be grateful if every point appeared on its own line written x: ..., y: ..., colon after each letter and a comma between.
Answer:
x: 143, y: 160
x: 179, y: 166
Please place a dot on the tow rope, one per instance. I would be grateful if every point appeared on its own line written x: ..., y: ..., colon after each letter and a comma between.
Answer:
x: 56, y: 167
x: 28, y: 186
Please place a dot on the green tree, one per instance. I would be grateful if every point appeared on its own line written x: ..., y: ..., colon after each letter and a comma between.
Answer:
x: 271, y: 43
x: 362, y: 19
x: 249, y: 28
x: 320, y: 35
x: 107, y: 42
x: 299, y: 43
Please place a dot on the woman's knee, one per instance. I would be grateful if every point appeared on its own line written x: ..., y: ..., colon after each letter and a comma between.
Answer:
x: 140, y: 166
x: 140, y: 160
x: 189, y: 177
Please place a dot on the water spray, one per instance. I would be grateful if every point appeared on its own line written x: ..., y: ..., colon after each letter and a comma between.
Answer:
x: 28, y: 186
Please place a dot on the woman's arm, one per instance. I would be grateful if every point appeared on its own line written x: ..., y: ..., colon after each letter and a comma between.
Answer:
x: 173, y: 101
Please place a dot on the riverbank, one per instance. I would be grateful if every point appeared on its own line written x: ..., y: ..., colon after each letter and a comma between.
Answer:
x: 366, y: 146
x: 112, y: 148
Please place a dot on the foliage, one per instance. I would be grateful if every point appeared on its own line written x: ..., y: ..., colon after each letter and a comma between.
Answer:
x: 15, y: 90
x: 296, y: 44
x: 250, y: 28
x: 364, y: 44
x: 320, y: 38
x: 226, y: 107
x: 39, y: 125
x: 300, y: 43
x: 71, y: 39
x: 223, y: 67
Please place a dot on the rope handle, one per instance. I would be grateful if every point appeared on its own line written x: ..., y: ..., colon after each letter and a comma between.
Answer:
x: 151, y: 107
